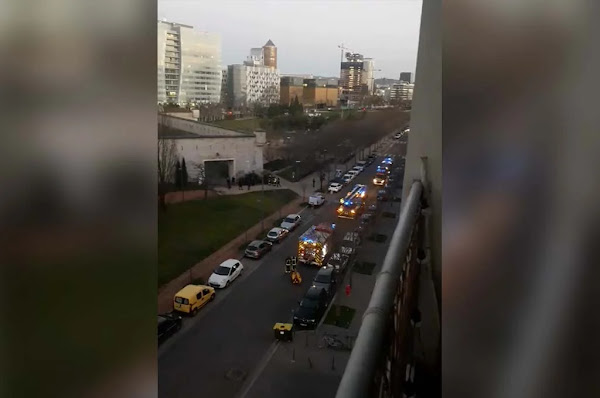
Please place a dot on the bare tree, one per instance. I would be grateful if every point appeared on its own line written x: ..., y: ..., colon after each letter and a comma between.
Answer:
x: 167, y: 159
x: 200, y: 174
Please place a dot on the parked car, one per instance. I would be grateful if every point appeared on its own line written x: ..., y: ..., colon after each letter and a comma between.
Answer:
x: 325, y: 279
x: 358, y: 169
x: 354, y: 173
x: 334, y: 187
x: 276, y: 235
x: 316, y: 199
x: 370, y: 160
x: 225, y: 273
x: 258, y: 248
x: 311, y: 308
x: 191, y: 298
x: 347, y: 178
x: 362, y: 163
x: 168, y: 325
x: 291, y: 222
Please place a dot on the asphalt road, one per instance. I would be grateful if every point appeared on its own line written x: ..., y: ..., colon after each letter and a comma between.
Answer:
x: 219, y: 348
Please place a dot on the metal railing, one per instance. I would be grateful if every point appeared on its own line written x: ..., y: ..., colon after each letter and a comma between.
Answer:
x: 383, y: 347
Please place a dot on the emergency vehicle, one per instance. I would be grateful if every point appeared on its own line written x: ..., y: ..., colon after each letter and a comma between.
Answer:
x: 314, y: 244
x: 353, y: 203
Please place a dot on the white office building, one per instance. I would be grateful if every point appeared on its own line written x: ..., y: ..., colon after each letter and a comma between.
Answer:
x: 248, y: 85
x: 189, y: 65
x: 402, y: 91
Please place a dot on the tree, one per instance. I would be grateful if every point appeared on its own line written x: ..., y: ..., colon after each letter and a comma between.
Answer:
x: 201, y: 177
x: 177, y: 175
x: 184, y: 173
x: 167, y: 162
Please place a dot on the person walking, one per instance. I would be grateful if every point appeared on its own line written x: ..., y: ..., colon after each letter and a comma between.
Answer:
x: 240, y: 184
x: 228, y: 183
x: 313, y: 182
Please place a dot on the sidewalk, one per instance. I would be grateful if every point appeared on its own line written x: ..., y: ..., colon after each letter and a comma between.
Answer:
x: 306, y: 367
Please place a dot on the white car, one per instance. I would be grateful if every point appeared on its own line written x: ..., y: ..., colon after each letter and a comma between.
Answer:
x: 334, y: 187
x: 291, y: 222
x: 347, y: 178
x: 358, y: 168
x: 276, y: 234
x: 316, y: 199
x: 225, y: 273
x: 354, y: 173
x: 362, y: 163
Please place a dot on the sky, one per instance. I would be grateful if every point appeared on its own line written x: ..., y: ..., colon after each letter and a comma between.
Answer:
x: 307, y: 32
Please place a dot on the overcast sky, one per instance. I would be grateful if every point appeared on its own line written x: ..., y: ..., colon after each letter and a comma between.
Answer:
x: 307, y: 32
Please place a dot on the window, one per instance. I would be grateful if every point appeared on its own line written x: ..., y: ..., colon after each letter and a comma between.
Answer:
x: 206, y: 291
x: 199, y: 295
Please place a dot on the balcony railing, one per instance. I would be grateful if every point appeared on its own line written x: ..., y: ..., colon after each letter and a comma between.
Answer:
x: 384, y: 345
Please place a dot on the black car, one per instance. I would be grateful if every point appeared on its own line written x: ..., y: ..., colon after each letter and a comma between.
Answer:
x: 325, y: 279
x: 258, y: 248
x: 311, y: 308
x: 370, y: 159
x: 168, y: 324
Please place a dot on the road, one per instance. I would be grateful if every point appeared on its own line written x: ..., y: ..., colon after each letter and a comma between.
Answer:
x: 219, y: 348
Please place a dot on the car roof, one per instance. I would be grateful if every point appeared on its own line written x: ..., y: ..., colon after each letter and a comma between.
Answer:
x: 190, y: 290
x: 313, y: 292
x: 292, y: 215
x: 229, y: 263
x: 325, y: 271
x: 276, y: 229
x: 255, y: 242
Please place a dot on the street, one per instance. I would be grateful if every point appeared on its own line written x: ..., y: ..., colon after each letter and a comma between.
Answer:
x: 217, y: 350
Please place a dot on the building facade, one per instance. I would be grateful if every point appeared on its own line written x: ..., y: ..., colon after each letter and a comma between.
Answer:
x: 406, y: 77
x: 367, y: 76
x: 319, y: 93
x: 401, y: 91
x: 290, y: 88
x: 224, y: 82
x: 247, y: 85
x: 189, y: 65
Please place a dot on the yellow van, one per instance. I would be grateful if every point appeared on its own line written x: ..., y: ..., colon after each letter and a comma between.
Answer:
x: 193, y: 297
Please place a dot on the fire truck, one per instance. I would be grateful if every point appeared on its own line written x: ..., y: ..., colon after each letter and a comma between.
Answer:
x: 353, y: 203
x: 314, y: 244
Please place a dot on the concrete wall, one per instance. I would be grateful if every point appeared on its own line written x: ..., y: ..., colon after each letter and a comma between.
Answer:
x: 425, y: 137
x: 196, y: 127
x: 245, y: 154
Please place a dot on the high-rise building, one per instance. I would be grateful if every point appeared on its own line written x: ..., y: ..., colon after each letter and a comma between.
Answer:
x: 247, y: 85
x: 320, y: 92
x: 189, y: 65
x: 367, y: 75
x: 270, y: 55
x: 406, y: 77
x: 224, y: 99
x: 256, y: 57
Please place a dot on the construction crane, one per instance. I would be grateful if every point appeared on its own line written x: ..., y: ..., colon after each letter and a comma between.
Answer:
x: 342, y: 48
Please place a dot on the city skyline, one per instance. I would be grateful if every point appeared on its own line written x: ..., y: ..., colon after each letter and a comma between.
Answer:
x: 242, y: 24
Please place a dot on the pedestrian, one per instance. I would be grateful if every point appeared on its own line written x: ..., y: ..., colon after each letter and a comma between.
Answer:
x: 228, y: 183
x: 233, y: 180
x: 249, y: 183
x: 240, y: 184
x: 313, y: 182
x: 278, y: 182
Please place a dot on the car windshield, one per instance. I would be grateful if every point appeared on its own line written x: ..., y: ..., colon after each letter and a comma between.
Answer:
x: 309, y: 303
x: 222, y: 270
x: 273, y: 234
x: 322, y: 279
x: 252, y: 248
x: 289, y: 219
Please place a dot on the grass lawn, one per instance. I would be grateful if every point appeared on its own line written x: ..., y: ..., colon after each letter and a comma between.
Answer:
x: 345, y: 318
x: 190, y: 231
x: 248, y: 125
x: 364, y: 267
